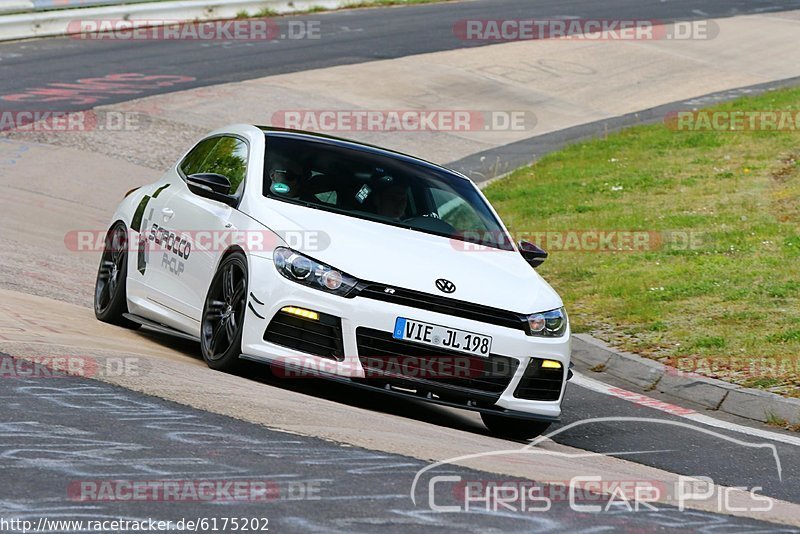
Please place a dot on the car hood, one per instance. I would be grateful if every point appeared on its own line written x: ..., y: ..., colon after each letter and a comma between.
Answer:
x: 409, y: 259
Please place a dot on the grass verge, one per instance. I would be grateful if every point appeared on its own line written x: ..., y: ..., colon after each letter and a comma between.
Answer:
x: 716, y: 287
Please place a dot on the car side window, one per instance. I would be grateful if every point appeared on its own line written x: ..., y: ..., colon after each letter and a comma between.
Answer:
x: 454, y: 210
x: 195, y: 159
x: 221, y: 155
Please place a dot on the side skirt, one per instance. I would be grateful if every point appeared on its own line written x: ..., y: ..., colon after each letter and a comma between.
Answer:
x: 158, y: 327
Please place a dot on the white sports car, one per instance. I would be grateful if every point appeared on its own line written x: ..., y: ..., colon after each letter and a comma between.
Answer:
x: 330, y: 258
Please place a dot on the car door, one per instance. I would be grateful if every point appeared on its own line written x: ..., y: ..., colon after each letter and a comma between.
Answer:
x: 143, y: 271
x: 199, y: 229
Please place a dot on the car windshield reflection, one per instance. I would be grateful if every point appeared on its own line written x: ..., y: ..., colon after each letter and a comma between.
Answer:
x: 379, y: 187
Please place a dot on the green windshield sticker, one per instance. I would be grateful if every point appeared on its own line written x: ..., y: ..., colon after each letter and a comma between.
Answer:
x: 280, y: 188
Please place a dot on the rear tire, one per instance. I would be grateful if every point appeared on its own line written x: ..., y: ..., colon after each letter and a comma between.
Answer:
x: 511, y: 427
x: 110, y: 296
x: 223, y: 315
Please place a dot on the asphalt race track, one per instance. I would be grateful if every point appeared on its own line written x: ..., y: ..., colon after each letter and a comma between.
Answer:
x: 308, y: 484
x: 350, y: 456
x: 355, y: 36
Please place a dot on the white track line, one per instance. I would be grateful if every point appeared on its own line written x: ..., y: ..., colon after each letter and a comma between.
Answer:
x: 678, y: 411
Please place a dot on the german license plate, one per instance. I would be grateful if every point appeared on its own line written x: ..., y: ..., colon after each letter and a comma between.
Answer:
x: 442, y: 337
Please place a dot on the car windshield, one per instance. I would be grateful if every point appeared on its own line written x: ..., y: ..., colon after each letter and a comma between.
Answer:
x: 379, y: 188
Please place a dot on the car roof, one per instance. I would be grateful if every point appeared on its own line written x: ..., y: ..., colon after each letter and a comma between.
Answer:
x: 366, y: 147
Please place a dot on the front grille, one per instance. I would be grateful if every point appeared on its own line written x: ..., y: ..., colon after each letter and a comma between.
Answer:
x: 540, y: 384
x: 448, y: 306
x: 446, y: 373
x: 321, y: 338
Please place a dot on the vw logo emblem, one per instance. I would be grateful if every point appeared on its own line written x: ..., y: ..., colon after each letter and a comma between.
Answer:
x: 445, y: 286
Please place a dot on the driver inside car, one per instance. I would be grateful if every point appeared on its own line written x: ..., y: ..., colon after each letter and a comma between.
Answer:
x: 391, y: 198
x: 285, y: 180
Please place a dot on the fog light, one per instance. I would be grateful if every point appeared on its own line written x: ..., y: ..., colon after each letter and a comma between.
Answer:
x: 551, y: 364
x: 301, y: 312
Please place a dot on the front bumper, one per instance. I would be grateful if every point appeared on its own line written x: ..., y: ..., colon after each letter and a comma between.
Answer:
x: 270, y: 292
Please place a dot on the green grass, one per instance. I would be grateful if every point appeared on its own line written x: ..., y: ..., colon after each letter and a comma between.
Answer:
x: 774, y: 420
x: 732, y: 292
x: 266, y: 12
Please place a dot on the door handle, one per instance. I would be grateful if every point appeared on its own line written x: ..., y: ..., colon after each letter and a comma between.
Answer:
x: 167, y: 213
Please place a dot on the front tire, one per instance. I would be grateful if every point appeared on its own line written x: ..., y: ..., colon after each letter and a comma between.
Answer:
x: 511, y: 427
x: 223, y: 314
x: 110, y: 297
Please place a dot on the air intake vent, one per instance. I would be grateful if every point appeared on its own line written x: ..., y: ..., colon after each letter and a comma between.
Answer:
x: 540, y: 384
x: 321, y: 337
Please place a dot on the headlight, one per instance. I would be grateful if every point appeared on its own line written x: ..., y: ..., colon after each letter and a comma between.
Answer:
x: 311, y: 273
x: 551, y: 323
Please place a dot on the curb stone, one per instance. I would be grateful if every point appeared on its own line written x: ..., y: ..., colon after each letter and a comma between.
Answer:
x: 761, y: 405
x: 708, y: 392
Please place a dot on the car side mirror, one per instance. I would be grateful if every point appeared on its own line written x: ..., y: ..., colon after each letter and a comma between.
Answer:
x: 533, y: 254
x: 211, y: 185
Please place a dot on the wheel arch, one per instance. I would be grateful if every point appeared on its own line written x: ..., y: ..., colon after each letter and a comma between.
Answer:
x: 228, y: 252
x: 116, y: 221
